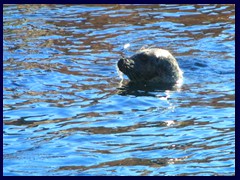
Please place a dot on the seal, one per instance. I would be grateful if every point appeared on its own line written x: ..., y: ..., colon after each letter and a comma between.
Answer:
x: 151, y: 65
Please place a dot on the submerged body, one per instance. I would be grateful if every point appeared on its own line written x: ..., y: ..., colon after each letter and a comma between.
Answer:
x: 151, y: 65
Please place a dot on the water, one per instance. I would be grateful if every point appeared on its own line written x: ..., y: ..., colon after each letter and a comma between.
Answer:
x: 66, y: 111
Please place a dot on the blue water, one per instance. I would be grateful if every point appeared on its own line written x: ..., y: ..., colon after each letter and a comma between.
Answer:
x: 66, y: 110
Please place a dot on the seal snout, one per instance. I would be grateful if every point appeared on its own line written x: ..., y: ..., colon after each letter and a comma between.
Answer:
x: 121, y: 64
x: 124, y: 64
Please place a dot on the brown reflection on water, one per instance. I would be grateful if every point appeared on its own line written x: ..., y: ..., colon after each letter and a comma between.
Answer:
x: 62, y: 122
x: 133, y: 17
x: 156, y: 163
x: 224, y: 99
x: 98, y: 43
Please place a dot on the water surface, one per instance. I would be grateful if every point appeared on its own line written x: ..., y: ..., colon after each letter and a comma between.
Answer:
x: 67, y: 112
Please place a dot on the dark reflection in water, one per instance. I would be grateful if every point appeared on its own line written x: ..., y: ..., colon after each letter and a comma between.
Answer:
x: 66, y: 111
x: 139, y: 89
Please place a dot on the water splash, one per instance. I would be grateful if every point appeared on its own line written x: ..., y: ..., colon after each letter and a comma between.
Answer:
x: 120, y: 74
x: 126, y: 46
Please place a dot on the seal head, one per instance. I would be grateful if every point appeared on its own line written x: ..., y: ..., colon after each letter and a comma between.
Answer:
x: 152, y: 65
